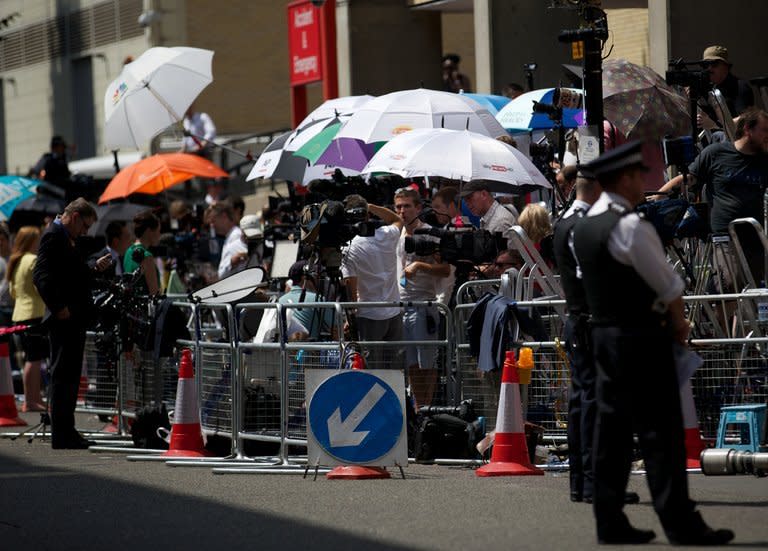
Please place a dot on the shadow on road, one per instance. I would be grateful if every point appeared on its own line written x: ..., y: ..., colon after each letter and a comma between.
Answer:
x: 44, y: 508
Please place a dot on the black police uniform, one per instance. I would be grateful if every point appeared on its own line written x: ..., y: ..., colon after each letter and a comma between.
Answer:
x: 581, y: 399
x: 637, y: 388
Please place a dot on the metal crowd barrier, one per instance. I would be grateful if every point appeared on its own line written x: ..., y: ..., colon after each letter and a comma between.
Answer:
x: 253, y: 392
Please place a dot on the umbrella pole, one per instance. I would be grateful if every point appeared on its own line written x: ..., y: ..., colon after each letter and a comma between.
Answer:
x: 116, y: 164
x: 223, y: 147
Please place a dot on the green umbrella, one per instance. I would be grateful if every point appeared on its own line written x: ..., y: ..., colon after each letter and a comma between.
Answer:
x: 315, y: 146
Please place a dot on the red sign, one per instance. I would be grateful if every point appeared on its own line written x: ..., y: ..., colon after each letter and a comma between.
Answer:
x: 304, y: 44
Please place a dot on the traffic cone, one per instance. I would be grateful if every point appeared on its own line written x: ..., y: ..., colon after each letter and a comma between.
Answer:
x: 510, y: 451
x: 186, y: 433
x: 9, y: 415
x: 694, y: 444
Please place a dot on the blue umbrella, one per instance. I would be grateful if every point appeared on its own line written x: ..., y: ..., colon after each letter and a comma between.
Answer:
x: 491, y: 102
x: 518, y: 114
x: 14, y: 190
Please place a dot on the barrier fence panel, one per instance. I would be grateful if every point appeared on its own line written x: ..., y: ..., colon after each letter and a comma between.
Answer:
x: 216, y: 369
x: 735, y: 372
x: 546, y: 397
x: 322, y: 351
x: 99, y: 388
x: 259, y: 407
x: 433, y: 322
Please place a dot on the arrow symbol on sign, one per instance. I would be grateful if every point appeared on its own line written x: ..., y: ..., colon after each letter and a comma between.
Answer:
x: 342, y: 433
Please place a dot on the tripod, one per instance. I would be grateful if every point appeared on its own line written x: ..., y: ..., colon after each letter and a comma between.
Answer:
x: 39, y: 429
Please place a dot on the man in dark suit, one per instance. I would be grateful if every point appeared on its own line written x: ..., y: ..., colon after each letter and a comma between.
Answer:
x: 63, y: 280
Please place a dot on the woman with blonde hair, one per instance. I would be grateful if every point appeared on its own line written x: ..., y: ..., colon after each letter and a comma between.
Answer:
x: 28, y: 310
x: 536, y: 222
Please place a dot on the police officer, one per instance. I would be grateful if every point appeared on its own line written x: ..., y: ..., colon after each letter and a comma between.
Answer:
x: 636, y: 308
x: 581, y: 398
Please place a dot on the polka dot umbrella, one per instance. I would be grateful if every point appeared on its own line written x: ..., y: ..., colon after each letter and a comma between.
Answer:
x: 641, y: 104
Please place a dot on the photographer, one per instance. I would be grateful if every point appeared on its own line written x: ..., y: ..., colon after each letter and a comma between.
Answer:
x: 494, y: 216
x: 369, y: 268
x: 733, y: 178
x: 737, y: 92
x: 453, y: 80
x: 63, y: 280
x: 419, y: 281
x: 53, y: 166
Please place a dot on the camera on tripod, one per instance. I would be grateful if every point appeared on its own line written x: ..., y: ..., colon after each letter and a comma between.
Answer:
x: 554, y: 112
x: 328, y: 224
x: 689, y: 74
x: 594, y: 18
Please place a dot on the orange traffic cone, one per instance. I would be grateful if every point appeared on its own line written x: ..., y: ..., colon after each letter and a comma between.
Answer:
x: 9, y: 415
x: 510, y: 451
x: 694, y: 444
x: 186, y: 433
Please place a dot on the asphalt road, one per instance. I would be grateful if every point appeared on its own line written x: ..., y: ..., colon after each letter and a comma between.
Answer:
x: 80, y: 500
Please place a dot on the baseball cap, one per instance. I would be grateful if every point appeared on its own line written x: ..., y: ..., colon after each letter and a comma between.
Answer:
x: 251, y: 226
x: 716, y: 53
x: 473, y: 186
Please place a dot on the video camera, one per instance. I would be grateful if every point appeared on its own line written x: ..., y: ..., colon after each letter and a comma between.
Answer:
x: 595, y: 19
x: 328, y: 224
x: 552, y: 111
x: 690, y: 74
x: 456, y: 245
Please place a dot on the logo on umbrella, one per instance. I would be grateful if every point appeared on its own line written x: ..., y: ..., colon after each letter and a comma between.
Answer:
x: 397, y: 156
x: 119, y: 93
x: 401, y: 129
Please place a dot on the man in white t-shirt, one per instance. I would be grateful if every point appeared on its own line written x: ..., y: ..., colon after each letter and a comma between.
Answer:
x: 420, y: 278
x: 234, y: 251
x: 369, y: 268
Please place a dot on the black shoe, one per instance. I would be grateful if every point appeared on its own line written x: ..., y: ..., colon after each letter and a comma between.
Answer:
x: 577, y: 497
x: 626, y: 536
x: 73, y: 442
x: 697, y: 532
x: 630, y: 498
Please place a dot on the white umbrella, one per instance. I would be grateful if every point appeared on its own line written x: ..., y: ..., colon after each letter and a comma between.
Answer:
x: 386, y: 116
x: 152, y: 93
x: 457, y: 155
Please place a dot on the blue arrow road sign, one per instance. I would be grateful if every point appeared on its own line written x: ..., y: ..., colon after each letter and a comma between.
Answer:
x: 355, y: 417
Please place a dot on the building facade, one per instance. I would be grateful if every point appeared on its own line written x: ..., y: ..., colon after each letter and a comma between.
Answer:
x: 58, y: 56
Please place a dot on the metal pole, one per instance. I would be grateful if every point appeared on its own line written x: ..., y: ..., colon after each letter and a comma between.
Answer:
x: 593, y: 85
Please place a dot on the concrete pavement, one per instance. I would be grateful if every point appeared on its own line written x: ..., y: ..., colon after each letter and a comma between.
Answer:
x: 79, y: 500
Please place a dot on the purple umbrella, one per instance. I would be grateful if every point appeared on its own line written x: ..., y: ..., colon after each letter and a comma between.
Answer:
x: 348, y: 153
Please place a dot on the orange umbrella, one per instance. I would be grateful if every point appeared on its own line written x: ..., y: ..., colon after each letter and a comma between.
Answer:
x: 158, y: 172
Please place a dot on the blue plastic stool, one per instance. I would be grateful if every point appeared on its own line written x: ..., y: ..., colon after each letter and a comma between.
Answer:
x: 747, y: 421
